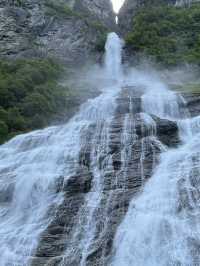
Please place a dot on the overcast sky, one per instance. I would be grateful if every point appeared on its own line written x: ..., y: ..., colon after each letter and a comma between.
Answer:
x: 117, y: 4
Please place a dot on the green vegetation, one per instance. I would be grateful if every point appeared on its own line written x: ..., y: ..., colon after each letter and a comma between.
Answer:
x: 101, y: 37
x: 100, y: 43
x: 98, y: 26
x: 101, y: 32
x: 18, y: 3
x: 30, y: 95
x: 168, y: 34
x: 59, y: 9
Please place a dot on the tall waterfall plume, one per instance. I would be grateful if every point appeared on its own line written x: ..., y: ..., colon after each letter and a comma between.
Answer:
x: 113, y: 58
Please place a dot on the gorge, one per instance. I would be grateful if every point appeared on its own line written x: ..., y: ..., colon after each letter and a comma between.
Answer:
x: 116, y: 185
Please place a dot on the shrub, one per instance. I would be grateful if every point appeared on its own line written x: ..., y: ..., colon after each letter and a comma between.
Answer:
x: 58, y: 9
x: 3, y: 115
x: 100, y: 43
x: 16, y: 121
x: 3, y: 131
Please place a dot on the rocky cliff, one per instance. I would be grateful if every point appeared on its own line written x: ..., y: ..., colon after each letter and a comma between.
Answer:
x: 70, y: 30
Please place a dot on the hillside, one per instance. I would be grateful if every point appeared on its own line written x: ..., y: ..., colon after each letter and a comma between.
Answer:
x: 164, y: 32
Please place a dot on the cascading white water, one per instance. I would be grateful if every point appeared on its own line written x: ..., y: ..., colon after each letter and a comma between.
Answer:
x: 100, y: 148
x: 31, y: 164
x: 101, y: 113
x: 113, y: 58
x: 183, y: 2
x: 162, y: 225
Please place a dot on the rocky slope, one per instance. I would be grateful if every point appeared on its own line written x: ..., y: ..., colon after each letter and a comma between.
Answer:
x: 68, y: 29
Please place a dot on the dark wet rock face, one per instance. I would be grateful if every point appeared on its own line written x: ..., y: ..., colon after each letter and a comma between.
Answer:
x: 166, y: 128
x: 193, y: 103
x: 85, y: 223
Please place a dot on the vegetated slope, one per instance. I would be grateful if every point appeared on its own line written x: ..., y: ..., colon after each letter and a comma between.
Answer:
x: 30, y: 96
x: 131, y: 8
x: 169, y: 34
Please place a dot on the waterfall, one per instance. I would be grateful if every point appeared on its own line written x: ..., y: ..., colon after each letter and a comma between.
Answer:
x: 116, y: 185
x: 184, y: 2
x: 113, y: 57
x: 162, y: 225
x: 31, y: 166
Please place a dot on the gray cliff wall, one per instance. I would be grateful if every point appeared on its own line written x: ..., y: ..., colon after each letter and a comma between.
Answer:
x: 68, y: 29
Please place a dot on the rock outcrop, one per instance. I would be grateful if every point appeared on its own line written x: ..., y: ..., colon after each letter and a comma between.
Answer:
x: 126, y: 15
x: 193, y: 103
x: 69, y: 30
